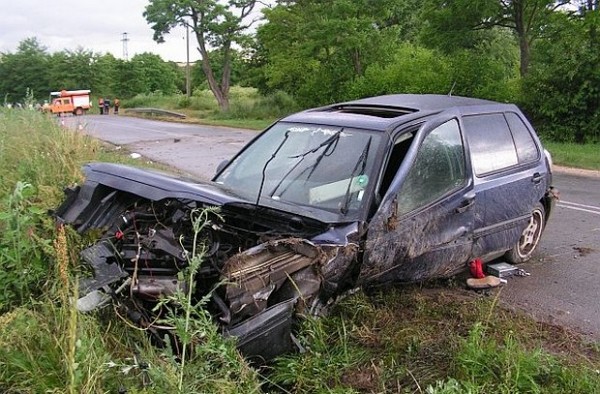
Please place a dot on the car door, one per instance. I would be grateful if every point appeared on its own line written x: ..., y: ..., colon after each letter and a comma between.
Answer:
x: 423, y: 227
x: 509, y: 179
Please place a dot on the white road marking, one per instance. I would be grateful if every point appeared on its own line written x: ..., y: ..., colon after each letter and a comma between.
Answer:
x: 579, y: 207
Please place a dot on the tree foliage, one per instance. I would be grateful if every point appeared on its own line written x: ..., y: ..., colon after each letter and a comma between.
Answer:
x: 327, y: 45
x: 562, y: 92
x: 461, y: 22
x: 25, y: 69
x: 32, y: 68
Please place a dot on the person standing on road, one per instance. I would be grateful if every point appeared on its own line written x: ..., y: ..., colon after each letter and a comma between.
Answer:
x: 117, y: 104
x: 106, y: 106
x: 101, y: 105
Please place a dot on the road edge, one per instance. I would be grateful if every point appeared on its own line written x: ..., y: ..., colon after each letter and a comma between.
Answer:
x: 576, y: 171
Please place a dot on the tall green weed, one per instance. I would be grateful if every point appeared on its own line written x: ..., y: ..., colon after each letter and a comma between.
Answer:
x: 35, y: 149
x: 22, y: 266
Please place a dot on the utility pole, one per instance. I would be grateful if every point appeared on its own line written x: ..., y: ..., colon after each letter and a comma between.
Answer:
x: 187, y: 65
x: 124, y: 40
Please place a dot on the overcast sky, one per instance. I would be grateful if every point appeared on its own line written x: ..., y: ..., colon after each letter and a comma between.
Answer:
x: 94, y: 25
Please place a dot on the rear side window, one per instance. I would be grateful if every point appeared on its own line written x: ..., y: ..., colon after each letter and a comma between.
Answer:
x: 527, y: 150
x: 490, y: 142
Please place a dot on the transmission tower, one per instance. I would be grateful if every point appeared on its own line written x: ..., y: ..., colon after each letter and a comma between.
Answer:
x: 124, y: 40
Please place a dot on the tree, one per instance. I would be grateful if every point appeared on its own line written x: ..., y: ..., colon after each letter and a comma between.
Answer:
x: 215, y: 25
x: 128, y: 79
x: 327, y: 45
x: 455, y: 21
x: 156, y: 75
x: 216, y: 63
x: 104, y: 74
x: 71, y: 70
x: 562, y: 90
x: 25, y: 69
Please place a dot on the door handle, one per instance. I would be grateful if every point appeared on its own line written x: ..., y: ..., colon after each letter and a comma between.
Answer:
x: 466, y: 204
x: 537, y: 178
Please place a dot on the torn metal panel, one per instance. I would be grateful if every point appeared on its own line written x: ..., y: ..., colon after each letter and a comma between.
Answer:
x: 253, y: 275
x: 100, y: 258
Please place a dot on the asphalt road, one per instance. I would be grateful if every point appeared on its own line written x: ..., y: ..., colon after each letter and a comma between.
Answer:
x: 564, y: 284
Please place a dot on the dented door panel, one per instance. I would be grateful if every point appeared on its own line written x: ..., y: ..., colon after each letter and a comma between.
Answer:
x: 432, y: 243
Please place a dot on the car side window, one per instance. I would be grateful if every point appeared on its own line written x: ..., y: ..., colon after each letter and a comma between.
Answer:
x: 490, y: 143
x: 439, y: 167
x: 527, y: 150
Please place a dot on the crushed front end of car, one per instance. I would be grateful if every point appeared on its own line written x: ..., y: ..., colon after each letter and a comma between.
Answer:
x: 260, y: 268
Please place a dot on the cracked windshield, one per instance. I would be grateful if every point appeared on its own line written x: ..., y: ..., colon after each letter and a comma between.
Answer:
x: 322, y: 166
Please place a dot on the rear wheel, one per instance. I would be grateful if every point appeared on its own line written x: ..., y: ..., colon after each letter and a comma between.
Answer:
x: 530, y: 237
x: 78, y: 111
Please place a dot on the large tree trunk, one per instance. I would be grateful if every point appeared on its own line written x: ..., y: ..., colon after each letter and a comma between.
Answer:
x: 221, y: 92
x: 522, y: 30
x: 358, y: 68
x: 524, y: 55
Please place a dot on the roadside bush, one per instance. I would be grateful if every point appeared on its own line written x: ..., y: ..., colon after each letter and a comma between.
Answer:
x: 414, y: 70
x: 561, y: 92
x: 274, y: 105
x: 148, y: 100
x: 419, y: 70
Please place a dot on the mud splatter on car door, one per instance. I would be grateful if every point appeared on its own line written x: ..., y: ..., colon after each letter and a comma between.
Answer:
x: 423, y: 229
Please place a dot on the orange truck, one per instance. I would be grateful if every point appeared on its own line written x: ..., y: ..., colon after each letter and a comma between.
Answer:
x: 76, y: 102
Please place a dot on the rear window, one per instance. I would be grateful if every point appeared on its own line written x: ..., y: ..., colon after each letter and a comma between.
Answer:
x: 527, y: 150
x: 490, y: 142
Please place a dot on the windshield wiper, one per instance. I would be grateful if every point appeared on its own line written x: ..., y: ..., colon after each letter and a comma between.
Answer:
x: 264, y: 170
x: 361, y: 164
x: 328, y: 151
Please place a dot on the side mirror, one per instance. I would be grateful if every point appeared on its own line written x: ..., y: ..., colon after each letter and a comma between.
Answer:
x: 221, y: 165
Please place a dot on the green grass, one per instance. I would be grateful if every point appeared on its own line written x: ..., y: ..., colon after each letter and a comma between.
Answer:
x: 248, y: 109
x: 436, y: 339
x: 575, y: 155
x: 45, y: 344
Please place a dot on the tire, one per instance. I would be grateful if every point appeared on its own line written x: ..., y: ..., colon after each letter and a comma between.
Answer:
x: 78, y: 111
x: 530, y: 237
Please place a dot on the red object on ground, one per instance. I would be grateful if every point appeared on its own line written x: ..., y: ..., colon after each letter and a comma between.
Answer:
x: 476, y: 268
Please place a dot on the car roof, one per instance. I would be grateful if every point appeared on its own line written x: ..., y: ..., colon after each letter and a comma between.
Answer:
x: 383, y: 112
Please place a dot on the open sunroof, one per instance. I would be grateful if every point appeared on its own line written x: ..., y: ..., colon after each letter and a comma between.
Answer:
x: 378, y: 111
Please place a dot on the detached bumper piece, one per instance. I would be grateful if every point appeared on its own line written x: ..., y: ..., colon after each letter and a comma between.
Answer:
x: 266, y: 335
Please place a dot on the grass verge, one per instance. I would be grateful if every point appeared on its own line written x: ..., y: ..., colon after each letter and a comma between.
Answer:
x: 575, y: 155
x: 248, y: 109
x: 46, y: 345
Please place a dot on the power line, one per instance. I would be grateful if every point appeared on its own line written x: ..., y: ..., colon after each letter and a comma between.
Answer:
x: 124, y: 40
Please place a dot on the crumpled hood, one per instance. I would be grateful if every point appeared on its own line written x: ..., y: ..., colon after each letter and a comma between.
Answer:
x: 155, y: 185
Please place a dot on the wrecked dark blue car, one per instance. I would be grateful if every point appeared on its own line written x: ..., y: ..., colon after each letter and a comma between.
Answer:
x: 398, y: 188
